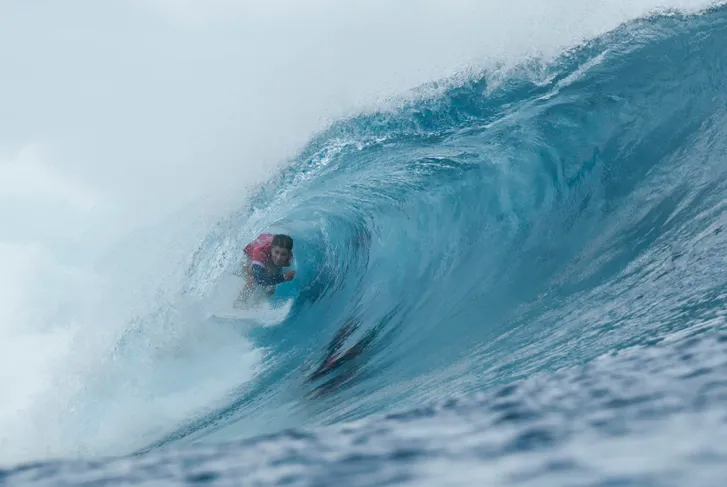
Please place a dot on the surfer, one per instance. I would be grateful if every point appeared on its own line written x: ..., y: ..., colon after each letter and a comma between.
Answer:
x: 267, y: 255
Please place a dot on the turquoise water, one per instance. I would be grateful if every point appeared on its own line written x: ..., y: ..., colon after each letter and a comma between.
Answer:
x: 535, y: 258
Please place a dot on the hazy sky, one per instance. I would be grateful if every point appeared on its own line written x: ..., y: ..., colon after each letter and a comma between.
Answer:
x: 114, y: 113
x: 124, y: 109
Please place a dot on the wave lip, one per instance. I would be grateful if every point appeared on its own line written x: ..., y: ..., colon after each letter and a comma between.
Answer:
x: 514, y: 223
x: 548, y: 236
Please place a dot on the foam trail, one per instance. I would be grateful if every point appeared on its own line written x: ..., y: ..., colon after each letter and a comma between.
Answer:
x: 149, y: 128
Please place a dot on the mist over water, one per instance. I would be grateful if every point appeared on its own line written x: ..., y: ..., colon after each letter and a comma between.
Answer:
x: 552, y: 201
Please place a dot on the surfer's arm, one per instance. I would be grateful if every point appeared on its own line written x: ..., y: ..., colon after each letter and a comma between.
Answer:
x: 264, y: 279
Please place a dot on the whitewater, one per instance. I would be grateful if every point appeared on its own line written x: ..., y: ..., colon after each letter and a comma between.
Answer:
x: 516, y: 210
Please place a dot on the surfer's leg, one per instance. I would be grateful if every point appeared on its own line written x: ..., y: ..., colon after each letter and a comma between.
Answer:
x: 249, y: 296
x: 243, y: 299
x: 246, y: 296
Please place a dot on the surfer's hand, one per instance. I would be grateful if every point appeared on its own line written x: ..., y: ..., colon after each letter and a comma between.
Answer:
x: 289, y: 275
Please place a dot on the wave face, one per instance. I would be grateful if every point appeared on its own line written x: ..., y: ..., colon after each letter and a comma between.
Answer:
x: 532, y: 264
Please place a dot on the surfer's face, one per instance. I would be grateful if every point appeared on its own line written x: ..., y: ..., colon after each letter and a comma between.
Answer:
x: 279, y: 255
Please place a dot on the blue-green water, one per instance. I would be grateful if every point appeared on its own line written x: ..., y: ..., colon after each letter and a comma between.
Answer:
x: 537, y: 260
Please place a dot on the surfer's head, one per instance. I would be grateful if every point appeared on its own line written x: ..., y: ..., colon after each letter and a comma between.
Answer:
x: 281, y: 250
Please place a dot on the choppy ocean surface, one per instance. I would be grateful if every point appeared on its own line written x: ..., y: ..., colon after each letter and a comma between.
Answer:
x: 530, y: 266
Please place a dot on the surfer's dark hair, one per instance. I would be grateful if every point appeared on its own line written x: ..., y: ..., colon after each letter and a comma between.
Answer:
x: 284, y: 241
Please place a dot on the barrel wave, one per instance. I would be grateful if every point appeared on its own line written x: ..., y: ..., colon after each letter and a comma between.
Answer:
x: 518, y: 244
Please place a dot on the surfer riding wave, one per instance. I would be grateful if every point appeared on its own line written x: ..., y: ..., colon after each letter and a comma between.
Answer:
x: 265, y: 258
